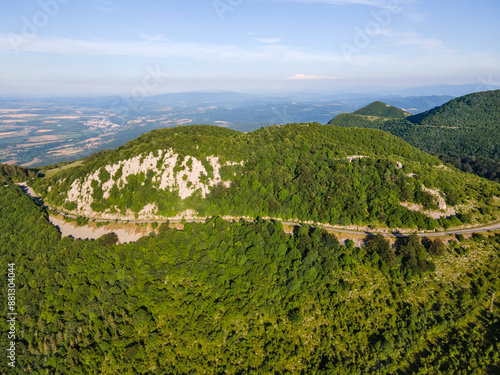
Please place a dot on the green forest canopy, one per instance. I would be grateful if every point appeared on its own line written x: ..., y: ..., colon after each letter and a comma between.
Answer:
x: 381, y: 109
x: 234, y: 298
x: 465, y: 131
x: 293, y: 171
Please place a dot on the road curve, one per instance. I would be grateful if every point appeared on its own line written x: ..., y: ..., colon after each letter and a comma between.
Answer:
x: 490, y: 227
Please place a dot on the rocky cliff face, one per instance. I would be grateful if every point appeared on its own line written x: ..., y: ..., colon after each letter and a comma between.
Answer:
x: 170, y: 172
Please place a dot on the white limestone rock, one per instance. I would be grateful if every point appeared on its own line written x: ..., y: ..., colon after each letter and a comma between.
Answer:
x: 191, y: 177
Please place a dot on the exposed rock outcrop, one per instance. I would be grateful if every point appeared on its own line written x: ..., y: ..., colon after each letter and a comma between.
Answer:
x: 169, y: 173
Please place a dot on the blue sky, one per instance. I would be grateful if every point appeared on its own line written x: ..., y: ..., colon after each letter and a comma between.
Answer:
x: 71, y: 47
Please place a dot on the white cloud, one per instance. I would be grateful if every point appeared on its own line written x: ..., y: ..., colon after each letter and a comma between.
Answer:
x: 436, y: 64
x: 382, y: 32
x: 300, y: 76
x: 268, y: 40
x: 410, y: 39
x: 152, y: 38
x: 407, y: 39
x: 154, y: 47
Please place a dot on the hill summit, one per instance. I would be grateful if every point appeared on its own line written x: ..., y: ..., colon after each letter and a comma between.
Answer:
x: 464, y: 131
x: 380, y: 109
x: 480, y: 109
x: 376, y: 111
x: 307, y: 172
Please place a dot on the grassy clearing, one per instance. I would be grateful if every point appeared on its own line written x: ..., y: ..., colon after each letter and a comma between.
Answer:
x: 52, y: 172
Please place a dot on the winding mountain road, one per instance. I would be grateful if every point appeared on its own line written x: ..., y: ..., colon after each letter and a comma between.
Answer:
x: 490, y: 227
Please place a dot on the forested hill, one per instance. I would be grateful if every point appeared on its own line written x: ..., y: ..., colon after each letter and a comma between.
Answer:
x: 309, y: 172
x: 10, y: 173
x: 465, y: 131
x: 381, y: 109
x: 374, y: 112
x: 245, y: 298
x: 477, y: 110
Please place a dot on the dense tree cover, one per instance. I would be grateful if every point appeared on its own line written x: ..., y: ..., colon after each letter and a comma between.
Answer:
x: 194, y: 140
x: 16, y: 173
x: 478, y: 141
x: 381, y: 109
x: 483, y: 167
x: 463, y: 129
x: 292, y: 171
x: 353, y: 120
x: 241, y: 297
x: 479, y: 109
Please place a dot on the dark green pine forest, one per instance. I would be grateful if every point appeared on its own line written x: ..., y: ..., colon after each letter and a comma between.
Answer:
x: 464, y: 132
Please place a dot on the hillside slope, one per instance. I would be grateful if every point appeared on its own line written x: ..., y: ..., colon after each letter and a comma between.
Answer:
x: 381, y: 109
x: 309, y: 172
x: 374, y: 112
x: 242, y: 298
x: 465, y: 130
x: 479, y: 109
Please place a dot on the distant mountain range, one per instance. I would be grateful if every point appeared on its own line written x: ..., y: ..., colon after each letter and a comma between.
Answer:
x: 295, y: 107
x: 36, y: 132
x: 46, y: 131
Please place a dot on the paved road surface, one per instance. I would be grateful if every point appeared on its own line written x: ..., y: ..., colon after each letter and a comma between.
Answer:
x: 29, y: 191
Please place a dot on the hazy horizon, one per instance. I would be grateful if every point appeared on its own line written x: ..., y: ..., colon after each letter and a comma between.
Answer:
x: 104, y: 47
x: 363, y: 91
